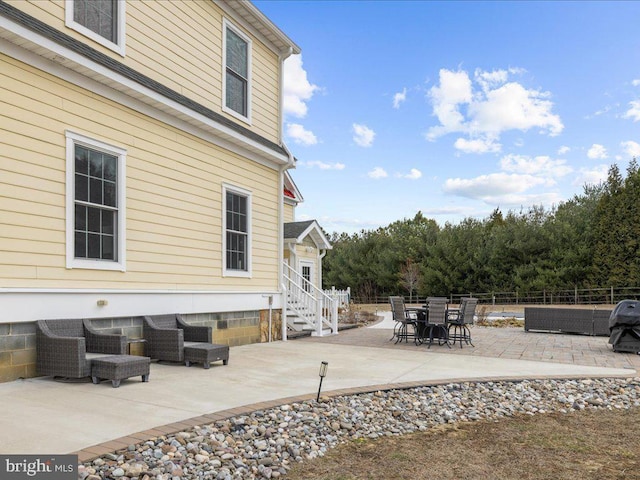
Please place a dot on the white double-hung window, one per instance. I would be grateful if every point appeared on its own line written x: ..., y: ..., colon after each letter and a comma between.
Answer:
x: 236, y: 231
x: 237, y: 73
x: 101, y: 20
x: 95, y: 204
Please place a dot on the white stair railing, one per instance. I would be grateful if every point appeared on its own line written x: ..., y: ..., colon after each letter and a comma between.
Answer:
x: 310, y: 304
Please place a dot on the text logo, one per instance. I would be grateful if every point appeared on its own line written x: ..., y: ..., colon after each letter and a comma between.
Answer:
x: 45, y: 467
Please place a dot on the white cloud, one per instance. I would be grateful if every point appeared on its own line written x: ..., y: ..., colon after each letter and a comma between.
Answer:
x: 631, y: 148
x: 377, y: 173
x: 363, y: 135
x: 592, y: 176
x: 597, y: 152
x: 634, y: 111
x: 602, y: 111
x: 324, y: 166
x: 489, y: 80
x: 495, y: 78
x: 493, y: 108
x: 297, y: 90
x: 399, y: 98
x: 563, y: 149
x: 511, y: 106
x: 455, y: 89
x: 636, y: 82
x: 414, y: 174
x: 541, y: 165
x: 492, y: 185
x: 477, y: 145
x: 301, y: 136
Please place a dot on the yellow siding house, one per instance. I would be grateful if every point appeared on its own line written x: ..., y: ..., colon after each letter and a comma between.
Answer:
x: 142, y: 167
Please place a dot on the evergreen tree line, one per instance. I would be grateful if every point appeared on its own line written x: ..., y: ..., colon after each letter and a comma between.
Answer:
x: 589, y: 241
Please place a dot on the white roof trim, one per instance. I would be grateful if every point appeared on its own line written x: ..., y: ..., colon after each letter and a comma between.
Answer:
x: 260, y: 24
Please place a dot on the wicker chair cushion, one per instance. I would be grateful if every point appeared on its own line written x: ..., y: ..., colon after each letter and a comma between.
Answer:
x: 93, y: 356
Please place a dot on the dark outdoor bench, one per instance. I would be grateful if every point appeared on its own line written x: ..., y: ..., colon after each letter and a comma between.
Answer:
x: 586, y: 321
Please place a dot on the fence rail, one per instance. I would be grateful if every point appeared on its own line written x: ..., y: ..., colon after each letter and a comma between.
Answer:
x: 343, y: 297
x: 577, y: 296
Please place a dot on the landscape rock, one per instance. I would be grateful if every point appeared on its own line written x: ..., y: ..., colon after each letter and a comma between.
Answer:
x: 263, y: 444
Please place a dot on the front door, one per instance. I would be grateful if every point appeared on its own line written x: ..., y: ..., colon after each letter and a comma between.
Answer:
x: 306, y: 270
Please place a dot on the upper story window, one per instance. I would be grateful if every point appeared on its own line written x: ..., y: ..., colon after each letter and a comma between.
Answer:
x: 95, y: 204
x: 101, y: 20
x: 237, y: 72
x: 237, y: 232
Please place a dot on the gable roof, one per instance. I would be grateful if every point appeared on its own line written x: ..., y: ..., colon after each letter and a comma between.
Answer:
x: 296, y: 232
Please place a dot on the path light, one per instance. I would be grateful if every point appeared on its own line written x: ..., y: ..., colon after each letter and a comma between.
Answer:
x: 323, y: 373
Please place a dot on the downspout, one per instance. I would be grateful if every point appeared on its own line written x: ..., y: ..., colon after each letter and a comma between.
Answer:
x: 281, y: 58
x: 320, y: 257
x: 290, y: 164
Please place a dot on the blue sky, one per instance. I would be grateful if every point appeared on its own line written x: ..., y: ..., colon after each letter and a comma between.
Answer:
x: 455, y: 108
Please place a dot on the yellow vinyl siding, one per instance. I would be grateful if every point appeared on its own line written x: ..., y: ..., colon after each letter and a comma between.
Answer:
x: 179, y: 44
x: 289, y: 213
x: 49, y: 11
x: 173, y: 190
x: 265, y: 91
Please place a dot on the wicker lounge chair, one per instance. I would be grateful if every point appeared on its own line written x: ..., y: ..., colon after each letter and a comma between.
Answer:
x: 167, y: 336
x: 65, y: 348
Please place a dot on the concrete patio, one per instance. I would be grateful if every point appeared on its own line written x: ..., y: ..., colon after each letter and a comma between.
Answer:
x: 45, y: 416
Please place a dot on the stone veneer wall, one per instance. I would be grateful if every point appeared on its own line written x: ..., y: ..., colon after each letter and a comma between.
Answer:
x: 18, y: 340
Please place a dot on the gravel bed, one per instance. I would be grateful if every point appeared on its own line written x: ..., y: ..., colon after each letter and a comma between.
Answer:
x: 264, y: 444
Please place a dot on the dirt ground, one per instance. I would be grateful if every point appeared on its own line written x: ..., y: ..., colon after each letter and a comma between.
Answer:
x: 585, y: 445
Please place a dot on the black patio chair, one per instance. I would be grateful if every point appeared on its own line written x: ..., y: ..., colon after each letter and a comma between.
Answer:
x: 437, y: 320
x: 404, y: 319
x: 460, y: 319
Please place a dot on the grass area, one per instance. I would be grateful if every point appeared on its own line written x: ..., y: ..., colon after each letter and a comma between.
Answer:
x: 584, y: 445
x: 500, y: 322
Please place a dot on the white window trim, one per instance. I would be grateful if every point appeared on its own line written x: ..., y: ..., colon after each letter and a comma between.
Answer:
x: 226, y: 24
x: 245, y: 193
x: 118, y: 47
x: 73, y: 139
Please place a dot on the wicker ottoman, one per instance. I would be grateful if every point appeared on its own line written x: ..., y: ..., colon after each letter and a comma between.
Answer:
x: 118, y: 367
x: 206, y: 353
